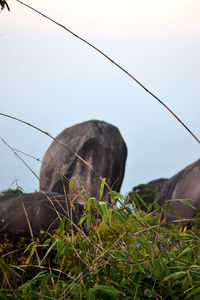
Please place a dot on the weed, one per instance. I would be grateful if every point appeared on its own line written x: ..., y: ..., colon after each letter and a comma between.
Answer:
x: 127, y: 255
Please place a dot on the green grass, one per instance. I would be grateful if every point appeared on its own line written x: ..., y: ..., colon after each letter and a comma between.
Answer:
x: 127, y: 255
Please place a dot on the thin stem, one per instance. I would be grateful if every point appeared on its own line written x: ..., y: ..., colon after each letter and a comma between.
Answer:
x: 115, y: 63
x: 59, y: 142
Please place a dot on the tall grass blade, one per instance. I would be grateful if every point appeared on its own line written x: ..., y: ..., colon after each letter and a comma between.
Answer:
x: 102, y: 188
x: 186, y: 202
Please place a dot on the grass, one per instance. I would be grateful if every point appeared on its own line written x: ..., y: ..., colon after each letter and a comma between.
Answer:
x: 127, y: 255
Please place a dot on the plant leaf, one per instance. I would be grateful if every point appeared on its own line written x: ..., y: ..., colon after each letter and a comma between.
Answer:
x: 175, y: 275
x: 194, y: 292
x: 102, y: 188
x: 71, y: 183
x: 186, y: 202
x: 104, y: 211
x: 51, y: 247
x: 186, y: 250
x: 121, y: 217
x: 106, y: 289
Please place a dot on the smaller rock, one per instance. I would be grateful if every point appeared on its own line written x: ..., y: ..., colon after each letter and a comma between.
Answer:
x: 183, y: 185
x: 37, y: 212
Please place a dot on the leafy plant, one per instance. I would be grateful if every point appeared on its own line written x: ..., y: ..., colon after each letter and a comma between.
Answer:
x: 141, y: 196
x: 127, y: 255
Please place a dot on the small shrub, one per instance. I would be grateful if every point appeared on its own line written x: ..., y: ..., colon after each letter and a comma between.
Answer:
x: 11, y: 191
x: 141, y: 196
x: 127, y: 255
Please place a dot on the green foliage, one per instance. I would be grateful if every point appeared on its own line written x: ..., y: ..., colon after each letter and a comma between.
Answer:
x: 102, y: 188
x: 127, y: 255
x: 141, y: 196
x: 186, y: 202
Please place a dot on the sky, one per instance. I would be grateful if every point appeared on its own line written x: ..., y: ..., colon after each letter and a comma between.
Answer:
x: 53, y: 81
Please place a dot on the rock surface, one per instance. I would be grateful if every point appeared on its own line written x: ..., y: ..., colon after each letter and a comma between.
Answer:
x: 41, y: 210
x: 97, y: 142
x: 156, y: 185
x: 183, y: 185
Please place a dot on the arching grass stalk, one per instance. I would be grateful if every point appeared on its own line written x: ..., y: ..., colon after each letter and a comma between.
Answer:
x: 115, y: 63
x: 60, y: 143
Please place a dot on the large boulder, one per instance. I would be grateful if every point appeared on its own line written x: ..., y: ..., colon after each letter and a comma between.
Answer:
x: 98, y: 143
x: 21, y: 214
x: 183, y: 185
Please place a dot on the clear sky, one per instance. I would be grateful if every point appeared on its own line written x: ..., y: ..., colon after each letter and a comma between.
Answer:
x: 52, y: 80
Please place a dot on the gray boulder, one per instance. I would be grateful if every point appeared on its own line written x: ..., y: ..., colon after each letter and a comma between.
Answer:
x: 97, y: 142
x: 38, y: 211
x: 184, y: 185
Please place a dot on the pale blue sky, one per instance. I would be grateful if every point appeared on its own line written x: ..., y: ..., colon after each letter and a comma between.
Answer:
x: 53, y: 81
